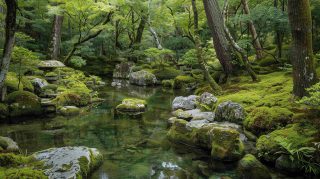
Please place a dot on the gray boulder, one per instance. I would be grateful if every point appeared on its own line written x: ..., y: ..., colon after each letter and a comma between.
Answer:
x: 208, y: 99
x: 197, y: 114
x: 230, y: 111
x: 142, y: 78
x: 185, y: 103
x: 69, y: 162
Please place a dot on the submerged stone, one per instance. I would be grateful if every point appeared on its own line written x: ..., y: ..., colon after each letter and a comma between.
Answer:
x: 69, y: 111
x: 69, y: 162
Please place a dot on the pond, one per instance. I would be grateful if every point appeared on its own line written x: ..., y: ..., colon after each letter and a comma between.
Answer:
x: 133, y: 147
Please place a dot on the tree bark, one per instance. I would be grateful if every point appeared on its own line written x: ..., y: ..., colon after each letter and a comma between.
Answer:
x: 214, y: 17
x: 252, y: 29
x: 304, y: 73
x: 151, y: 29
x: 213, y: 84
x: 54, y: 46
x: 11, y: 15
x: 234, y: 44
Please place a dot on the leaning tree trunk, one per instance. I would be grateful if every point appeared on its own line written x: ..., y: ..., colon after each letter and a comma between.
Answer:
x: 252, y: 29
x: 236, y: 46
x: 213, y: 84
x: 9, y: 40
x: 304, y: 73
x: 221, y: 46
x: 151, y: 29
x: 54, y: 46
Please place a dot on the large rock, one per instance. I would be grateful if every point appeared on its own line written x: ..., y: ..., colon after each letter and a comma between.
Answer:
x: 142, y: 78
x: 8, y: 145
x: 223, y: 140
x: 208, y: 99
x: 230, y: 111
x: 123, y: 70
x: 284, y: 163
x: 185, y: 103
x: 132, y: 105
x: 250, y: 167
x: 23, y: 103
x: 69, y: 162
x: 197, y: 114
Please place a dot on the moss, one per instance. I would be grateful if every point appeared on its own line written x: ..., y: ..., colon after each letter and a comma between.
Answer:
x: 24, y: 173
x: 226, y: 144
x: 50, y: 87
x: 84, y: 166
x: 265, y: 119
x: 4, y: 111
x: 167, y: 83
x: 51, y: 74
x: 179, y: 134
x: 12, y: 82
x: 204, y: 88
x: 182, y: 82
x: 132, y: 105
x: 267, y: 61
x: 250, y: 167
x: 299, y: 135
x: 23, y: 103
x: 27, y: 85
x: 12, y: 160
x: 3, y: 144
x: 72, y: 99
x: 166, y: 73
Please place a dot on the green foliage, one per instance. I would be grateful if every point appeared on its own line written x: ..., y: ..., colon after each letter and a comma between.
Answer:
x: 12, y: 82
x: 24, y: 60
x: 304, y: 156
x: 77, y: 61
x: 183, y: 82
x: 313, y: 100
x: 166, y: 73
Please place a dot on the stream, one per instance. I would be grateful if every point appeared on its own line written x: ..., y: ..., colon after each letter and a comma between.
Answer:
x: 133, y: 147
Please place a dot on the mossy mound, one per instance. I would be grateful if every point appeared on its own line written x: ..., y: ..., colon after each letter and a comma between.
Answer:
x: 184, y: 82
x: 72, y: 99
x: 166, y: 73
x: 167, y: 83
x: 132, y: 105
x: 250, y: 167
x: 298, y: 135
x: 22, y: 173
x: 12, y: 82
x: 264, y: 119
x: 267, y: 61
x: 27, y: 84
x: 23, y: 103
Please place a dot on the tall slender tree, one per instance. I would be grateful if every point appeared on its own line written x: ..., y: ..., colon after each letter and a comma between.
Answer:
x: 10, y: 30
x: 54, y: 45
x: 215, y: 21
x: 304, y: 73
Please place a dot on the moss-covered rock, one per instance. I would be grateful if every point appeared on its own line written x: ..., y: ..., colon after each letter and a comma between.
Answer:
x: 166, y: 73
x: 142, y: 78
x: 25, y: 173
x: 250, y: 167
x: 298, y: 135
x: 12, y: 82
x: 69, y: 162
x: 230, y: 111
x: 179, y: 133
x: 27, y: 84
x: 132, y: 105
x: 69, y: 110
x: 180, y: 114
x: 167, y: 83
x: 8, y: 145
x: 184, y: 82
x: 226, y: 144
x: 72, y: 99
x: 23, y: 103
x: 264, y: 119
x: 4, y: 111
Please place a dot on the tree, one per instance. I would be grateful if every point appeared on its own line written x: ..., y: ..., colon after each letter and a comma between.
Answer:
x: 10, y: 30
x: 215, y: 21
x: 213, y: 84
x: 54, y: 46
x: 304, y: 73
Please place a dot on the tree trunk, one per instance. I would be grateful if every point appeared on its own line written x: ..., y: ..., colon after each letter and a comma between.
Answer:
x: 9, y: 40
x: 213, y: 84
x: 279, y: 36
x: 252, y: 29
x: 304, y: 73
x: 215, y: 22
x: 234, y: 44
x: 140, y: 30
x: 151, y: 29
x: 54, y: 46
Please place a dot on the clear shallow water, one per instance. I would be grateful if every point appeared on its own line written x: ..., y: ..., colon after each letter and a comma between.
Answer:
x: 133, y: 147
